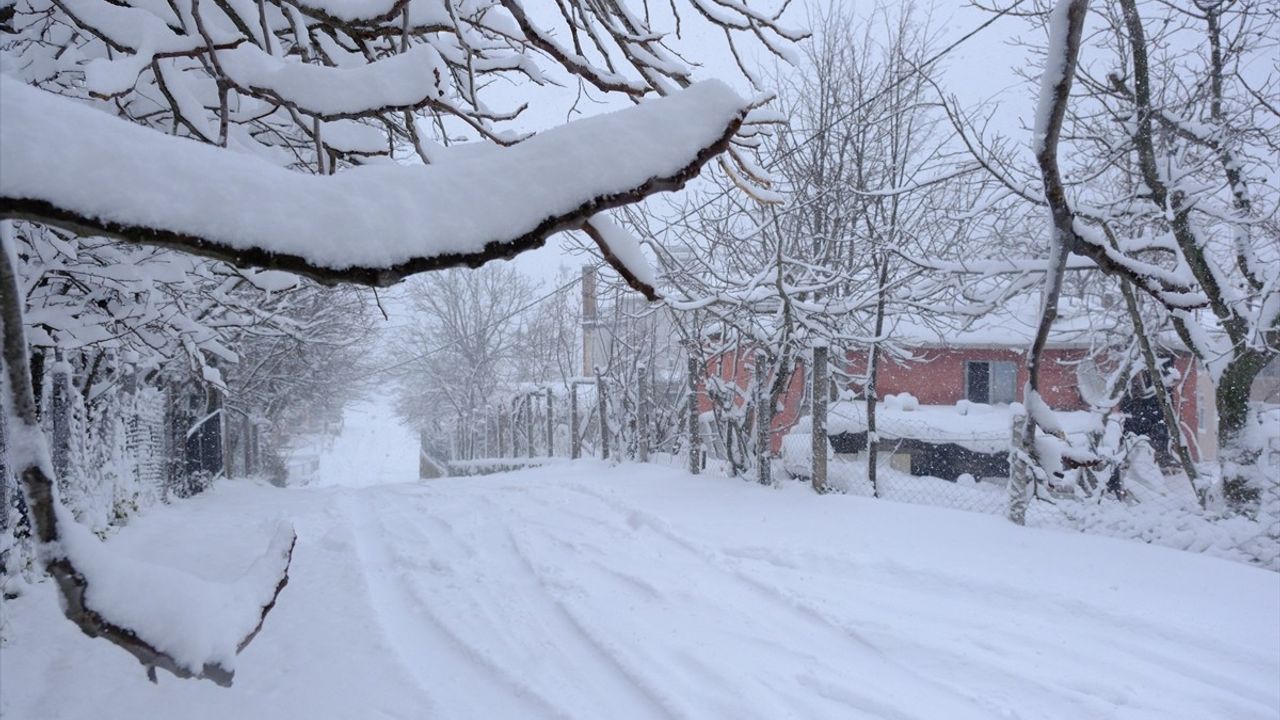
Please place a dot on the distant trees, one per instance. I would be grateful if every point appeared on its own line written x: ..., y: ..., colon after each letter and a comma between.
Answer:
x: 459, y: 347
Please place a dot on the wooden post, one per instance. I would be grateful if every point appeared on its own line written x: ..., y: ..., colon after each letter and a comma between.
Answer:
x: 502, y: 430
x: 642, y: 413
x: 551, y: 424
x: 513, y: 420
x: 602, y: 404
x: 424, y: 468
x: 819, y: 388
x: 575, y: 439
x: 695, y: 435
x: 60, y: 415
x: 764, y: 419
x: 246, y: 439
x: 528, y: 423
x: 255, y: 448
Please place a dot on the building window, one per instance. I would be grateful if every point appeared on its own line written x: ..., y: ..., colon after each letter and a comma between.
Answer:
x: 990, y: 382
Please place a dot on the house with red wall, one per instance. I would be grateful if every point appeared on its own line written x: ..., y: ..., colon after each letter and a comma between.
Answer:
x: 959, y: 389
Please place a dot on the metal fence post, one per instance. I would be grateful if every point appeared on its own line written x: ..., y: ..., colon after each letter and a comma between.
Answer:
x: 602, y: 403
x: 819, y: 388
x: 695, y: 435
x: 551, y: 428
x: 764, y: 419
x: 642, y: 413
x: 575, y: 437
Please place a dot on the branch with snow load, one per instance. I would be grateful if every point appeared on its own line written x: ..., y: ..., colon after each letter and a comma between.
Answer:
x: 186, y: 625
x: 1066, y: 24
x: 67, y: 164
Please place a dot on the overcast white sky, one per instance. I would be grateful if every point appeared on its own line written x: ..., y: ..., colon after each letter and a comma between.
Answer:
x: 977, y: 72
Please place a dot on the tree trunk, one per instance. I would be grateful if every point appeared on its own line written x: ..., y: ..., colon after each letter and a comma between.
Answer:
x: 1241, y: 474
x: 871, y: 391
x: 1066, y: 18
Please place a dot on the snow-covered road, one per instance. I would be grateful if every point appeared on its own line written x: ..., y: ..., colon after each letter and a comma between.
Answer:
x: 589, y: 591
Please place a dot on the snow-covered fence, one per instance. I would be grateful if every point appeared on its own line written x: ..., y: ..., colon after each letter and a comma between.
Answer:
x: 490, y: 466
x: 962, y: 464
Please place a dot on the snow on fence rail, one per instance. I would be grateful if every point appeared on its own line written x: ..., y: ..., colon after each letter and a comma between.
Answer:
x: 918, y: 462
x: 489, y: 466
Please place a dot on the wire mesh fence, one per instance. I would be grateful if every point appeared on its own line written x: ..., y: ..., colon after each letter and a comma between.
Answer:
x: 965, y: 466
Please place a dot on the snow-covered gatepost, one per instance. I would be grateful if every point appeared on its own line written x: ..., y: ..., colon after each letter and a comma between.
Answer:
x: 819, y: 387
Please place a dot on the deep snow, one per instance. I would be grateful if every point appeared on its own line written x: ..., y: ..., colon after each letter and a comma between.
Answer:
x: 585, y: 590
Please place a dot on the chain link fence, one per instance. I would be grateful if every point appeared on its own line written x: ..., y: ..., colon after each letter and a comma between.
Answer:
x: 960, y: 461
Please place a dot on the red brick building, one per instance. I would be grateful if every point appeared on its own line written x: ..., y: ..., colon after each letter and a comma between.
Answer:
x: 979, y: 367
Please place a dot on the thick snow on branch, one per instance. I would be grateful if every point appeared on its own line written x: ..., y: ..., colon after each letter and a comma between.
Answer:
x: 623, y: 252
x: 201, y: 625
x: 65, y: 163
x: 407, y: 80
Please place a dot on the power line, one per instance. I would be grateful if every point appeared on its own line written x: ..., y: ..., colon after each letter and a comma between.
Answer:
x: 860, y: 106
x: 772, y: 163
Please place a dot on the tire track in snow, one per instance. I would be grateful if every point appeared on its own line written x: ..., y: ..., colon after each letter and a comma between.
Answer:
x: 818, y: 624
x: 571, y: 673
x: 1131, y: 636
x: 1126, y: 633
x: 638, y: 687
x: 422, y: 641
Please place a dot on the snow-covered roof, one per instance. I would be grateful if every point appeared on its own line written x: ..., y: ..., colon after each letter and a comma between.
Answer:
x: 1013, y: 324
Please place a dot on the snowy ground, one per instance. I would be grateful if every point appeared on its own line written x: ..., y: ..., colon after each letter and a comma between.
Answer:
x: 589, y: 591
